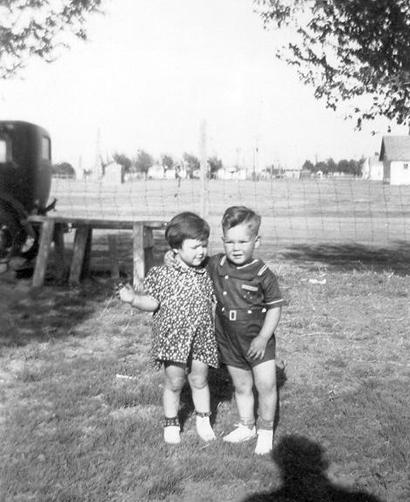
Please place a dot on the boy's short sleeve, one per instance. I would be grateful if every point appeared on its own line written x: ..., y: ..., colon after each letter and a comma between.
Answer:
x: 273, y: 296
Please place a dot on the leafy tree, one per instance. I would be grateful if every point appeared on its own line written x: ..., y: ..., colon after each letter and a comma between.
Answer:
x: 321, y: 166
x: 343, y: 166
x: 192, y: 164
x: 39, y: 28
x: 214, y: 165
x: 167, y: 161
x: 143, y: 162
x: 63, y: 169
x: 347, y: 49
x: 331, y: 166
x: 308, y: 165
x: 124, y: 161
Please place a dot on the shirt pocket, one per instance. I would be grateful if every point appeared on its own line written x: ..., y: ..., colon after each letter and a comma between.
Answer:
x: 249, y: 291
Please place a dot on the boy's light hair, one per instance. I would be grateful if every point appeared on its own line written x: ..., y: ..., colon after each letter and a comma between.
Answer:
x: 184, y: 226
x: 238, y: 215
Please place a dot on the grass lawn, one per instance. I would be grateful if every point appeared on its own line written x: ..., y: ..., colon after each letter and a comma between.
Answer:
x: 80, y: 408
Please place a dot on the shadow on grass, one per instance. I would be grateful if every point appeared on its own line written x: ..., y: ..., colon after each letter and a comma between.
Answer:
x: 347, y: 257
x: 54, y: 311
x: 302, y: 464
x: 222, y: 390
x: 48, y: 314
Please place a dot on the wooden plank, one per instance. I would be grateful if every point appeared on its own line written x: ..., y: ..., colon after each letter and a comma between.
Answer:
x: 87, y: 254
x: 80, y: 243
x: 98, y: 222
x: 148, y: 245
x: 113, y: 250
x: 138, y: 252
x: 46, y: 237
x: 58, y: 238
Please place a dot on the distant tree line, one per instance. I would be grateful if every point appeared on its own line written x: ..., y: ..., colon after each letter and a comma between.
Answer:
x: 329, y: 166
x: 141, y: 163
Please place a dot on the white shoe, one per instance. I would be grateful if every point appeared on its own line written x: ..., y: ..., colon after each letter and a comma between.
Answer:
x: 264, y: 442
x: 240, y: 434
x: 204, y: 429
x: 172, y: 434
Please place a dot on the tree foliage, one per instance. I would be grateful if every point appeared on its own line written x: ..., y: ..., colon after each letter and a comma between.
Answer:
x: 348, y: 49
x: 143, y: 162
x: 215, y: 164
x: 192, y: 164
x: 329, y: 166
x: 124, y: 161
x: 39, y: 28
x: 63, y: 170
x: 167, y: 161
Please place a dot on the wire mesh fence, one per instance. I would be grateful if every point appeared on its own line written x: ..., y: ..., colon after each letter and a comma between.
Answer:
x: 293, y: 211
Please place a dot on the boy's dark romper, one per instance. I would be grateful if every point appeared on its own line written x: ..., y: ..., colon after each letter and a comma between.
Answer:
x: 243, y: 295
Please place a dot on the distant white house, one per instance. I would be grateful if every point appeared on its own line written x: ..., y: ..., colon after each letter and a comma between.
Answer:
x: 170, y: 174
x: 156, y: 172
x: 113, y: 174
x: 231, y: 173
x: 291, y: 172
x: 395, y: 155
x: 372, y: 168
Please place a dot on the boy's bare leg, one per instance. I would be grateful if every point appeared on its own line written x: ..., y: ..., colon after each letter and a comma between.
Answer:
x: 198, y: 381
x: 243, y: 383
x: 265, y: 383
x: 174, y: 382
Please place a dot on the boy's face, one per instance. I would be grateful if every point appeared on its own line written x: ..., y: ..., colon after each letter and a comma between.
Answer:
x: 192, y: 252
x: 240, y: 243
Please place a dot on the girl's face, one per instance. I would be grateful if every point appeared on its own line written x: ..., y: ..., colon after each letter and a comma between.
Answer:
x: 240, y: 243
x: 192, y: 252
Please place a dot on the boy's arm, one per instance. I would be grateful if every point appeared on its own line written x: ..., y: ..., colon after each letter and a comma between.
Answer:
x: 138, y: 299
x: 258, y: 345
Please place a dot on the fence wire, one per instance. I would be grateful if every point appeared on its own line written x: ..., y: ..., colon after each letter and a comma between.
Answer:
x: 293, y: 210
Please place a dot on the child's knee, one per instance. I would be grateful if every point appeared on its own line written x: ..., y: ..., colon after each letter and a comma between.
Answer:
x: 265, y: 387
x: 198, y: 380
x: 174, y: 383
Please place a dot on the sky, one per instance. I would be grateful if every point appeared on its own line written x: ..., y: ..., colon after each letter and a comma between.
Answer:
x: 154, y: 71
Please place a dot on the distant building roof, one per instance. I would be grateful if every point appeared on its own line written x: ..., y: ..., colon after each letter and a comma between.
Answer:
x: 395, y: 148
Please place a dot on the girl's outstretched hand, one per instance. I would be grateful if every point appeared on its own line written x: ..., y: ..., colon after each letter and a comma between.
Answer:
x: 126, y: 293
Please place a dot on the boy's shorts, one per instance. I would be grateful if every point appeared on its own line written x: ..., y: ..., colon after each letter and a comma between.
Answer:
x: 235, y: 336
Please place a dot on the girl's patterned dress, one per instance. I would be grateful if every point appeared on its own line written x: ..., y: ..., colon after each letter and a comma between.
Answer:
x: 183, y: 325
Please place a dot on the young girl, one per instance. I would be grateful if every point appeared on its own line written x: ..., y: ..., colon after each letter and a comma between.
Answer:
x: 183, y: 340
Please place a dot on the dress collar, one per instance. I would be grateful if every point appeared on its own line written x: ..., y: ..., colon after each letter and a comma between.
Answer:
x: 188, y: 270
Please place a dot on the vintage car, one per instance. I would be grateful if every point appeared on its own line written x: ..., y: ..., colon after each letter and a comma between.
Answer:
x: 25, y: 182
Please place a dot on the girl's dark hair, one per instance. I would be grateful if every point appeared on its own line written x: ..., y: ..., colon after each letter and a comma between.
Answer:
x: 186, y: 225
x: 236, y: 215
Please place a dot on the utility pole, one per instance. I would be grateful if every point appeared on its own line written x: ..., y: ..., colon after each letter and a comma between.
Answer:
x: 204, y: 209
x: 98, y: 173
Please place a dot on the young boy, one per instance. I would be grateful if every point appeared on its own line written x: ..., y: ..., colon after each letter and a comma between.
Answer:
x: 247, y: 313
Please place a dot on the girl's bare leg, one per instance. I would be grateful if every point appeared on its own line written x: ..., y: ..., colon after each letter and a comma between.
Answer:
x: 174, y: 382
x: 198, y: 381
